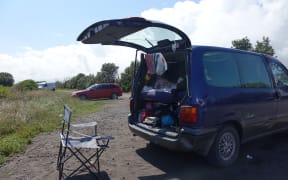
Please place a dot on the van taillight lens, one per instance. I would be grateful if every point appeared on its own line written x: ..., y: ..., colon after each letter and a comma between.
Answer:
x: 188, y: 114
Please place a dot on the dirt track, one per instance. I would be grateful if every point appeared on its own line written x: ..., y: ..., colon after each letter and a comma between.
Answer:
x: 131, y: 157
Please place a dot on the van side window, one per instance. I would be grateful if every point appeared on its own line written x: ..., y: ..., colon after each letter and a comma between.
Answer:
x: 220, y: 69
x: 224, y: 69
x: 253, y: 73
x: 280, y: 75
x: 95, y: 87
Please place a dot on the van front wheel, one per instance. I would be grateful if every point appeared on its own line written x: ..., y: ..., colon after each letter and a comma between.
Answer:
x: 225, y: 149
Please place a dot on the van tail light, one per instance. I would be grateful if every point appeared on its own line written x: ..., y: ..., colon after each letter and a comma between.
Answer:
x: 188, y: 114
x: 143, y: 116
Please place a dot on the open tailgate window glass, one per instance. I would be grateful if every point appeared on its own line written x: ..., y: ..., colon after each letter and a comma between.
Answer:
x: 136, y: 33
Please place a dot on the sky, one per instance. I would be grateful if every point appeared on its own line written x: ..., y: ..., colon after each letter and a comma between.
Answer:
x: 38, y: 38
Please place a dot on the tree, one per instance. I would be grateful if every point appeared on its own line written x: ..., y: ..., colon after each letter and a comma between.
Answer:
x: 86, y: 81
x: 91, y: 79
x: 108, y: 74
x: 60, y: 85
x: 127, y: 77
x: 75, y: 80
x: 26, y: 85
x: 243, y: 44
x: 6, y: 79
x: 264, y: 46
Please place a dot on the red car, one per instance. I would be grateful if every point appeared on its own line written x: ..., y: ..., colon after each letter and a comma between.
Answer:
x: 96, y: 91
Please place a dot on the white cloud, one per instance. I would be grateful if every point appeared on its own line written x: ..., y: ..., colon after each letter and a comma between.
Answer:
x: 208, y: 22
x: 218, y: 22
x: 63, y: 62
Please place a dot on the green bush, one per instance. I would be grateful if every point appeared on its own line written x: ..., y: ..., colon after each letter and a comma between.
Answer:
x: 4, y: 91
x: 126, y: 80
x: 26, y: 85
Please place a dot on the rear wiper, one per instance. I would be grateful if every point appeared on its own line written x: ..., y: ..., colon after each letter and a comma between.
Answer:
x: 148, y: 42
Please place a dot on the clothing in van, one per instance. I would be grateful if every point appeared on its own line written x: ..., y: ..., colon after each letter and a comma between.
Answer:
x: 156, y: 63
x: 150, y: 64
x: 160, y: 64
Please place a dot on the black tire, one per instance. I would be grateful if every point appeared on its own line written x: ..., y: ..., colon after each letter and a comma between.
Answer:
x: 114, y: 96
x: 225, y: 149
x: 83, y: 97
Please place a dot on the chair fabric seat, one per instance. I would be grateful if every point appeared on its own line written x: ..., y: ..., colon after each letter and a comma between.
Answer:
x: 80, y: 142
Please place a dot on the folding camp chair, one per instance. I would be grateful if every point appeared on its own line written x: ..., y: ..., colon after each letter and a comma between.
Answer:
x: 84, y: 148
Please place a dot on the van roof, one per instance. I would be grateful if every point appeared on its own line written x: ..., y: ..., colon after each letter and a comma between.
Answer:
x: 206, y: 47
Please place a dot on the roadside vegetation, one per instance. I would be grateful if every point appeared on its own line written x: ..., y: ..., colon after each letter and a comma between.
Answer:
x: 25, y: 114
x: 108, y: 74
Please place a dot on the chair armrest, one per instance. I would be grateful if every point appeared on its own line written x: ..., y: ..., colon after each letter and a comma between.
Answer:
x: 104, y: 137
x: 103, y: 141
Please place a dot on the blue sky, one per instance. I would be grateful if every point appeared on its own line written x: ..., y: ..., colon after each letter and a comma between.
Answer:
x: 38, y: 38
x: 42, y: 24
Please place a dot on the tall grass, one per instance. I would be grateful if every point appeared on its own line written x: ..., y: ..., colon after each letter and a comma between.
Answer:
x: 26, y: 114
x: 4, y: 91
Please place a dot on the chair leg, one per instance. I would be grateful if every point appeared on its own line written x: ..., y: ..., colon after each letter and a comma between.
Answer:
x: 82, y: 157
x: 98, y: 161
x: 60, y: 161
x: 59, y: 156
x: 84, y: 161
x: 60, y: 169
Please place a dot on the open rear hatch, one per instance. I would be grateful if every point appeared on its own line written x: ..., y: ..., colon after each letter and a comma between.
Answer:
x: 138, y: 33
x: 156, y: 97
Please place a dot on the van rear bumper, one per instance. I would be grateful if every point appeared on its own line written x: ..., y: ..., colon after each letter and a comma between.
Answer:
x: 197, y: 140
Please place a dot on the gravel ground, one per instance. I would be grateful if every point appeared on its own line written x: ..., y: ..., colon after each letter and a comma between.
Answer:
x: 131, y: 157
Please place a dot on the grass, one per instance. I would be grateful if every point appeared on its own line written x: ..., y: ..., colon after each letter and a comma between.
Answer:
x: 27, y: 114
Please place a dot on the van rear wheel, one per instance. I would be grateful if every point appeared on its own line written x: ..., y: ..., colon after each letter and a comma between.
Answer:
x: 225, y: 149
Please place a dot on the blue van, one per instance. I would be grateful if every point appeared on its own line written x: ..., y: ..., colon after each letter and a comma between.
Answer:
x: 197, y: 98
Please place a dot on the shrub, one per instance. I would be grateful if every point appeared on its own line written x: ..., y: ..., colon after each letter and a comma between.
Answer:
x: 4, y: 91
x: 126, y: 80
x: 26, y: 85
